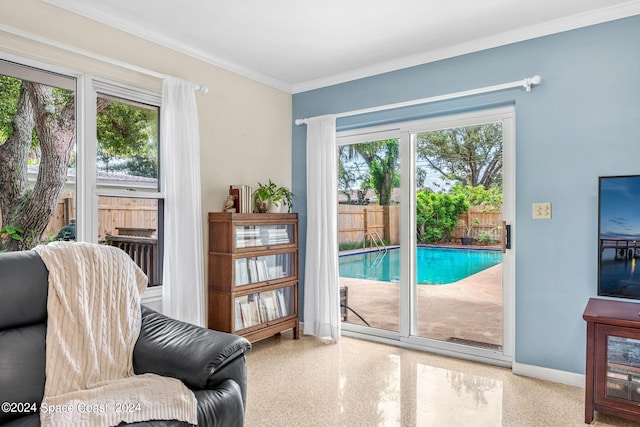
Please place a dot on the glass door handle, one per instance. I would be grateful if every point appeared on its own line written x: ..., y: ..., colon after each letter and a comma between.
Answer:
x: 506, y: 236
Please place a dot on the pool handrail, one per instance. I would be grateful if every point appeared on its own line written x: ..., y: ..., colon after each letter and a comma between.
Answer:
x: 373, y: 235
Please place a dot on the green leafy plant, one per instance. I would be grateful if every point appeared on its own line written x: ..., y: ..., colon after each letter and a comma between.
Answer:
x: 11, y: 232
x: 485, y: 238
x: 437, y: 215
x: 271, y: 192
x: 490, y: 199
x: 348, y: 246
x: 468, y: 228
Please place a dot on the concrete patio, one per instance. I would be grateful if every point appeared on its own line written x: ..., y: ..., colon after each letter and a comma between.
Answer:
x: 467, y: 310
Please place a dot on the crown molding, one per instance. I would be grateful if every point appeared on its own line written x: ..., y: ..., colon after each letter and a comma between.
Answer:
x: 80, y: 8
x: 573, y: 22
x: 611, y: 13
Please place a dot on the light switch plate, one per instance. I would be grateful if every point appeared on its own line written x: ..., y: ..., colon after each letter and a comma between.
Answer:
x: 542, y: 210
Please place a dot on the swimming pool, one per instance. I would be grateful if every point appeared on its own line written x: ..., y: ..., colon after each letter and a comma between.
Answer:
x: 436, y: 266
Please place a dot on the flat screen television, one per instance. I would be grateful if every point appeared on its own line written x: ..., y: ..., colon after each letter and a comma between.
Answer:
x: 619, y: 236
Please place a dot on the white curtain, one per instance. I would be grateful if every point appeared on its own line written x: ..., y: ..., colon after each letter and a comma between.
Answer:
x: 321, y: 279
x: 183, y: 277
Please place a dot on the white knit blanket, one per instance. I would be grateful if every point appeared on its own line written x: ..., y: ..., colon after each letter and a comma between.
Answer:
x: 93, y: 324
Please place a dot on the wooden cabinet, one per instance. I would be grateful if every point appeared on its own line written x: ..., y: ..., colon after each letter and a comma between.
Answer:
x: 252, y: 285
x: 613, y: 359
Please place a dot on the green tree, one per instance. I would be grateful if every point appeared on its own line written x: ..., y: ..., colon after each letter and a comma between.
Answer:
x: 382, y: 163
x: 127, y: 136
x: 39, y: 118
x: 352, y: 172
x: 437, y: 215
x: 51, y: 113
x: 384, y: 170
x: 470, y: 155
x: 10, y: 90
x: 490, y: 199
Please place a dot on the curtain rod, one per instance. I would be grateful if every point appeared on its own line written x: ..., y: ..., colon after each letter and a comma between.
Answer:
x: 89, y: 54
x: 526, y: 83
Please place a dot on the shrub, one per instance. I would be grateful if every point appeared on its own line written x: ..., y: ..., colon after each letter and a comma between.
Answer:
x: 490, y: 199
x: 485, y: 238
x: 437, y: 215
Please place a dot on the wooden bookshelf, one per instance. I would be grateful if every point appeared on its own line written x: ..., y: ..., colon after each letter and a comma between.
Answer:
x: 252, y: 284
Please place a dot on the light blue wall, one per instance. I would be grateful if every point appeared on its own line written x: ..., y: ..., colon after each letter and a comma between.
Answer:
x: 583, y: 121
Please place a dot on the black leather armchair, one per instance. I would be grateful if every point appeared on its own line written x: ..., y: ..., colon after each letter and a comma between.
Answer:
x: 211, y: 363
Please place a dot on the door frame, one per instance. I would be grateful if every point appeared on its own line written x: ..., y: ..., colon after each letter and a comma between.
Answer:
x: 406, y: 337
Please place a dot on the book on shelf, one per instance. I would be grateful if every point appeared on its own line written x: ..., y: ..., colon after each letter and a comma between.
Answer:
x: 247, y: 318
x: 242, y: 272
x: 247, y: 237
x: 253, y: 270
x: 250, y: 236
x: 253, y: 309
x: 236, y: 197
x: 276, y: 272
x: 282, y: 303
x: 238, y: 320
x: 271, y: 309
x: 275, y: 236
x: 258, y: 270
x: 243, y: 198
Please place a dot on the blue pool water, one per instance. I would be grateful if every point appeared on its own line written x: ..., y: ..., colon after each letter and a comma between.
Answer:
x: 436, y: 266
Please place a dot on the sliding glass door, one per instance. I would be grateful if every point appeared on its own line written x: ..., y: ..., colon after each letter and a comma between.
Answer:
x: 369, y: 238
x: 439, y: 276
x: 459, y: 200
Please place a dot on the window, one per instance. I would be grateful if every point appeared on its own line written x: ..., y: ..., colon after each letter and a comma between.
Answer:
x: 37, y: 156
x: 130, y: 204
x: 107, y: 190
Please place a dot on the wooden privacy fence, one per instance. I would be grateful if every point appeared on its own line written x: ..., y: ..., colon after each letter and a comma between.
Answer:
x: 124, y: 212
x: 65, y: 211
x: 113, y: 212
x: 355, y: 221
x: 124, y: 222
x: 484, y: 222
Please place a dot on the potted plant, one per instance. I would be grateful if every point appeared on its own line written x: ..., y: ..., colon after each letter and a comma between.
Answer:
x: 270, y: 197
x: 467, y: 236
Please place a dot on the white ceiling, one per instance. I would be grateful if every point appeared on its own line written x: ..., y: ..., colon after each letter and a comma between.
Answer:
x: 297, y: 45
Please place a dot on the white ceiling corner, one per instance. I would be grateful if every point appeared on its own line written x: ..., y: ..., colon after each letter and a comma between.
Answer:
x: 298, y: 46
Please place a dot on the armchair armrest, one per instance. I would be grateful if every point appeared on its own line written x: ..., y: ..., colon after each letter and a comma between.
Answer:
x: 194, y: 355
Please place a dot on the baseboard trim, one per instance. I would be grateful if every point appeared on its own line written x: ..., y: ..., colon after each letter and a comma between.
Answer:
x: 547, y: 374
x: 523, y: 369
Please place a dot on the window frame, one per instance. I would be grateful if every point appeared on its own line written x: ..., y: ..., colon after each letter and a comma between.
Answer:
x: 52, y: 75
x: 86, y: 88
x: 87, y: 179
x: 405, y: 131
